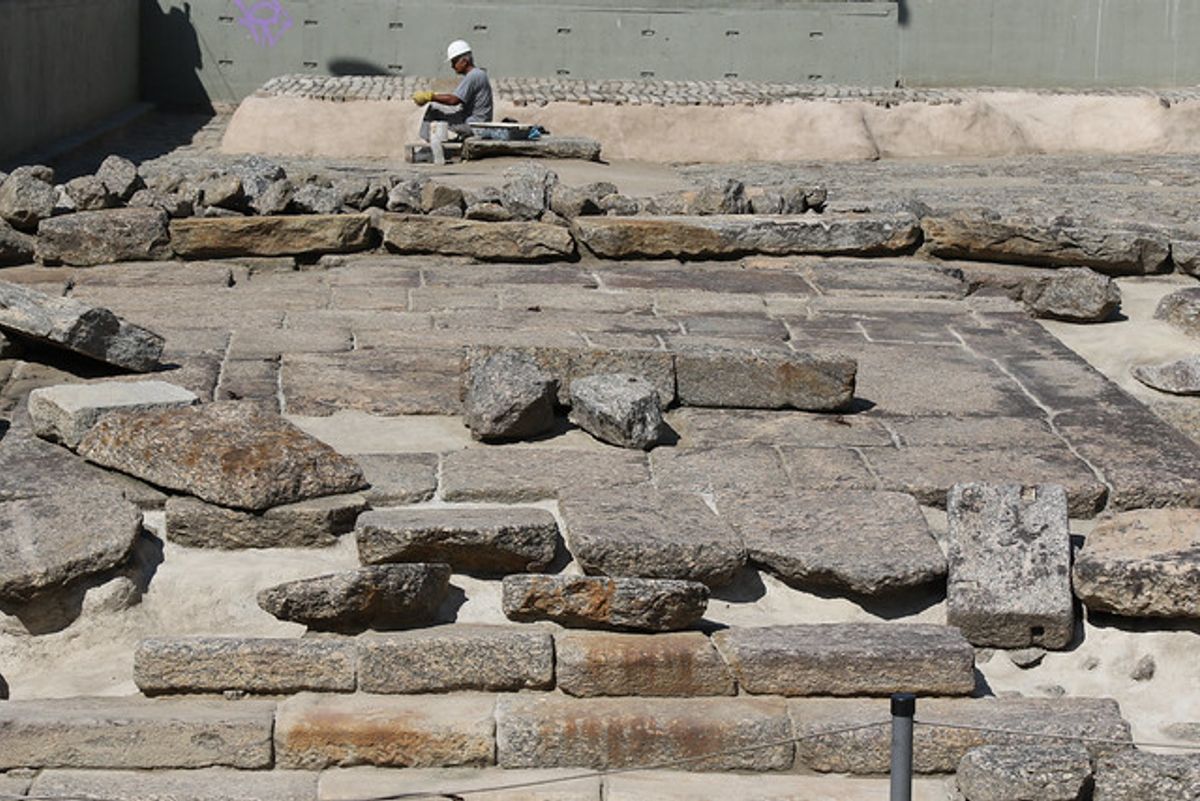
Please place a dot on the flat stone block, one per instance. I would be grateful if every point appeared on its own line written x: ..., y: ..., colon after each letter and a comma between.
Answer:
x: 209, y: 784
x: 1139, y: 776
x: 567, y: 364
x: 668, y: 785
x: 88, y: 238
x: 928, y: 473
x: 490, y: 241
x: 313, y: 732
x: 680, y: 664
x: 270, y: 343
x: 254, y: 665
x: 1142, y: 564
x: 849, y: 659
x: 313, y: 523
x: 939, y: 749
x: 515, y: 475
x: 64, y: 413
x: 15, y: 786
x: 120, y: 733
x: 605, y: 603
x: 398, y: 478
x: 743, y: 234
x: 718, y: 468
x: 753, y: 380
x: 1047, y: 771
x: 457, y: 657
x: 486, y: 541
x: 552, y: 147
x: 1009, y: 555
x: 548, y: 731
x: 380, y: 381
x: 270, y: 236
x: 699, y: 428
x: 355, y: 784
x: 377, y: 596
x: 650, y: 534
x: 867, y: 543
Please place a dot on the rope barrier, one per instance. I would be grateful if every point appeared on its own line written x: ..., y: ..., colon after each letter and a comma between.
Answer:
x: 1051, y: 736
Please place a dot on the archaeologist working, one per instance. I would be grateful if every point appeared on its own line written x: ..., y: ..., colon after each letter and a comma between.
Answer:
x: 471, y: 101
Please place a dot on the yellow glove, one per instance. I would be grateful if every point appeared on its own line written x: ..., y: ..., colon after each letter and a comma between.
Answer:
x: 421, y: 98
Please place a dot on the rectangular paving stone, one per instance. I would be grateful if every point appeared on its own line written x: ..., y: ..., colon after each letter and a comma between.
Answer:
x: 719, y: 278
x: 355, y: 784
x: 271, y: 343
x: 881, y: 277
x: 575, y: 298
x: 314, y: 523
x: 756, y: 327
x: 671, y: 785
x: 118, y: 733
x: 64, y: 413
x: 928, y: 472
x: 378, y: 381
x: 567, y: 364
x: 209, y: 784
x: 830, y: 468
x: 849, y: 659
x: 398, y: 478
x: 671, y: 664
x: 442, y: 271
x: 938, y: 749
x: 760, y: 380
x: 648, y: 533
x: 250, y: 379
x: 713, y: 469
x: 457, y: 657
x: 15, y: 785
x: 313, y: 732
x: 253, y: 664
x: 699, y: 427
x: 1009, y: 556
x: 270, y: 236
x: 547, y: 731
x: 973, y: 432
x: 510, y: 474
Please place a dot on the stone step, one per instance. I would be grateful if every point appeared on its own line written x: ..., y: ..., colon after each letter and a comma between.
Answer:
x: 135, y: 733
x: 681, y: 664
x: 208, y: 784
x: 253, y: 665
x: 849, y: 659
x: 549, y: 731
x: 487, y: 241
x: 356, y: 784
x: 270, y: 236
x: 939, y: 749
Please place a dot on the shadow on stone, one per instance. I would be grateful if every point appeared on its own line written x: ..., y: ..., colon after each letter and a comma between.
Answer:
x: 448, y: 611
x: 1137, y: 625
x: 746, y: 587
x: 355, y: 66
x: 147, y: 556
x: 892, y: 605
x: 982, y: 688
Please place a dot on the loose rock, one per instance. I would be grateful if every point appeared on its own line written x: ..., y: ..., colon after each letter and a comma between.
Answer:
x: 1180, y: 377
x: 1077, y: 295
x: 120, y: 176
x: 526, y: 190
x: 64, y: 413
x: 508, y: 397
x: 487, y: 212
x: 1046, y: 772
x: 596, y: 602
x: 313, y: 199
x: 379, y: 597
x: 619, y: 408
x: 26, y: 200
x: 89, y: 193
x: 15, y: 247
x: 1138, y: 776
x: 174, y: 206
x: 1182, y: 310
x: 436, y: 195
x: 574, y: 201
x: 225, y: 192
x: 103, y: 237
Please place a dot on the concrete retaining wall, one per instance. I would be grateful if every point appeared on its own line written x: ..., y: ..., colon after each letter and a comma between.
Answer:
x: 64, y: 65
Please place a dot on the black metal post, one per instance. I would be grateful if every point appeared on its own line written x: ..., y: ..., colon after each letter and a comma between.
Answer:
x: 904, y: 706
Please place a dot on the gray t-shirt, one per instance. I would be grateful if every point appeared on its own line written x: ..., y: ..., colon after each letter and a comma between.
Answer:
x: 475, y: 92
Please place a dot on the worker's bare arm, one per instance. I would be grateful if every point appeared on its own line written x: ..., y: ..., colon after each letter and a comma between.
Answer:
x: 447, y: 99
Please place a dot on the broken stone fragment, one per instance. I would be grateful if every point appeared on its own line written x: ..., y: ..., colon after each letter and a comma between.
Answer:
x: 1074, y: 294
x: 227, y: 453
x: 618, y: 408
x: 120, y: 176
x: 487, y: 212
x: 605, y: 603
x: 727, y: 198
x: 78, y: 327
x: 314, y: 523
x: 1134, y: 775
x: 1180, y: 377
x: 435, y: 195
x: 223, y: 191
x: 174, y: 206
x: 15, y: 247
x: 484, y: 541
x: 103, y: 237
x: 1142, y: 564
x: 26, y: 200
x: 378, y: 597
x: 508, y: 397
x: 618, y: 205
x: 90, y: 194
x: 257, y: 175
x: 526, y: 190
x: 1009, y: 556
x: 1047, y: 772
x: 574, y: 201
x: 64, y: 413
x: 1182, y: 310
x: 405, y: 196
x: 314, y: 199
x: 275, y: 199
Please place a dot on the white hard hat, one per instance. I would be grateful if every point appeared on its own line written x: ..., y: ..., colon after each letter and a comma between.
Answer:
x: 456, y: 49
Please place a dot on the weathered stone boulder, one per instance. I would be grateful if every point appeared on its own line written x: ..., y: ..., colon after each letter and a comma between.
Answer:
x: 864, y: 542
x: 120, y: 176
x: 15, y: 247
x: 275, y: 199
x: 499, y: 241
x: 62, y: 519
x: 526, y: 190
x: 618, y: 205
x: 379, y: 597
x: 1074, y: 294
x: 550, y: 147
x: 1110, y: 248
x: 1139, y: 776
x: 103, y: 237
x: 508, y: 397
x: 436, y: 195
x: 737, y: 235
x: 1009, y: 556
x: 254, y: 665
x: 231, y: 454
x: 89, y: 193
x: 484, y: 541
x: 1182, y: 310
x: 618, y: 408
x: 405, y: 196
x: 487, y: 212
x: 78, y: 327
x: 26, y: 200
x: 270, y: 236
x: 172, y: 205
x: 315, y: 199
x: 223, y: 192
x: 1045, y: 772
x: 314, y: 523
x: 1181, y: 377
x: 849, y: 659
x: 64, y: 413
x: 574, y: 201
x: 360, y: 194
x: 605, y: 603
x: 39, y: 171
x: 567, y: 365
x: 1142, y: 564
x: 650, y: 534
x: 258, y: 175
x: 764, y: 380
x: 727, y: 198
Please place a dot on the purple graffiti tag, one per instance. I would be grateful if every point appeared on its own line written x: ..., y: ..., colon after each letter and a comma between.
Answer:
x: 265, y: 29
